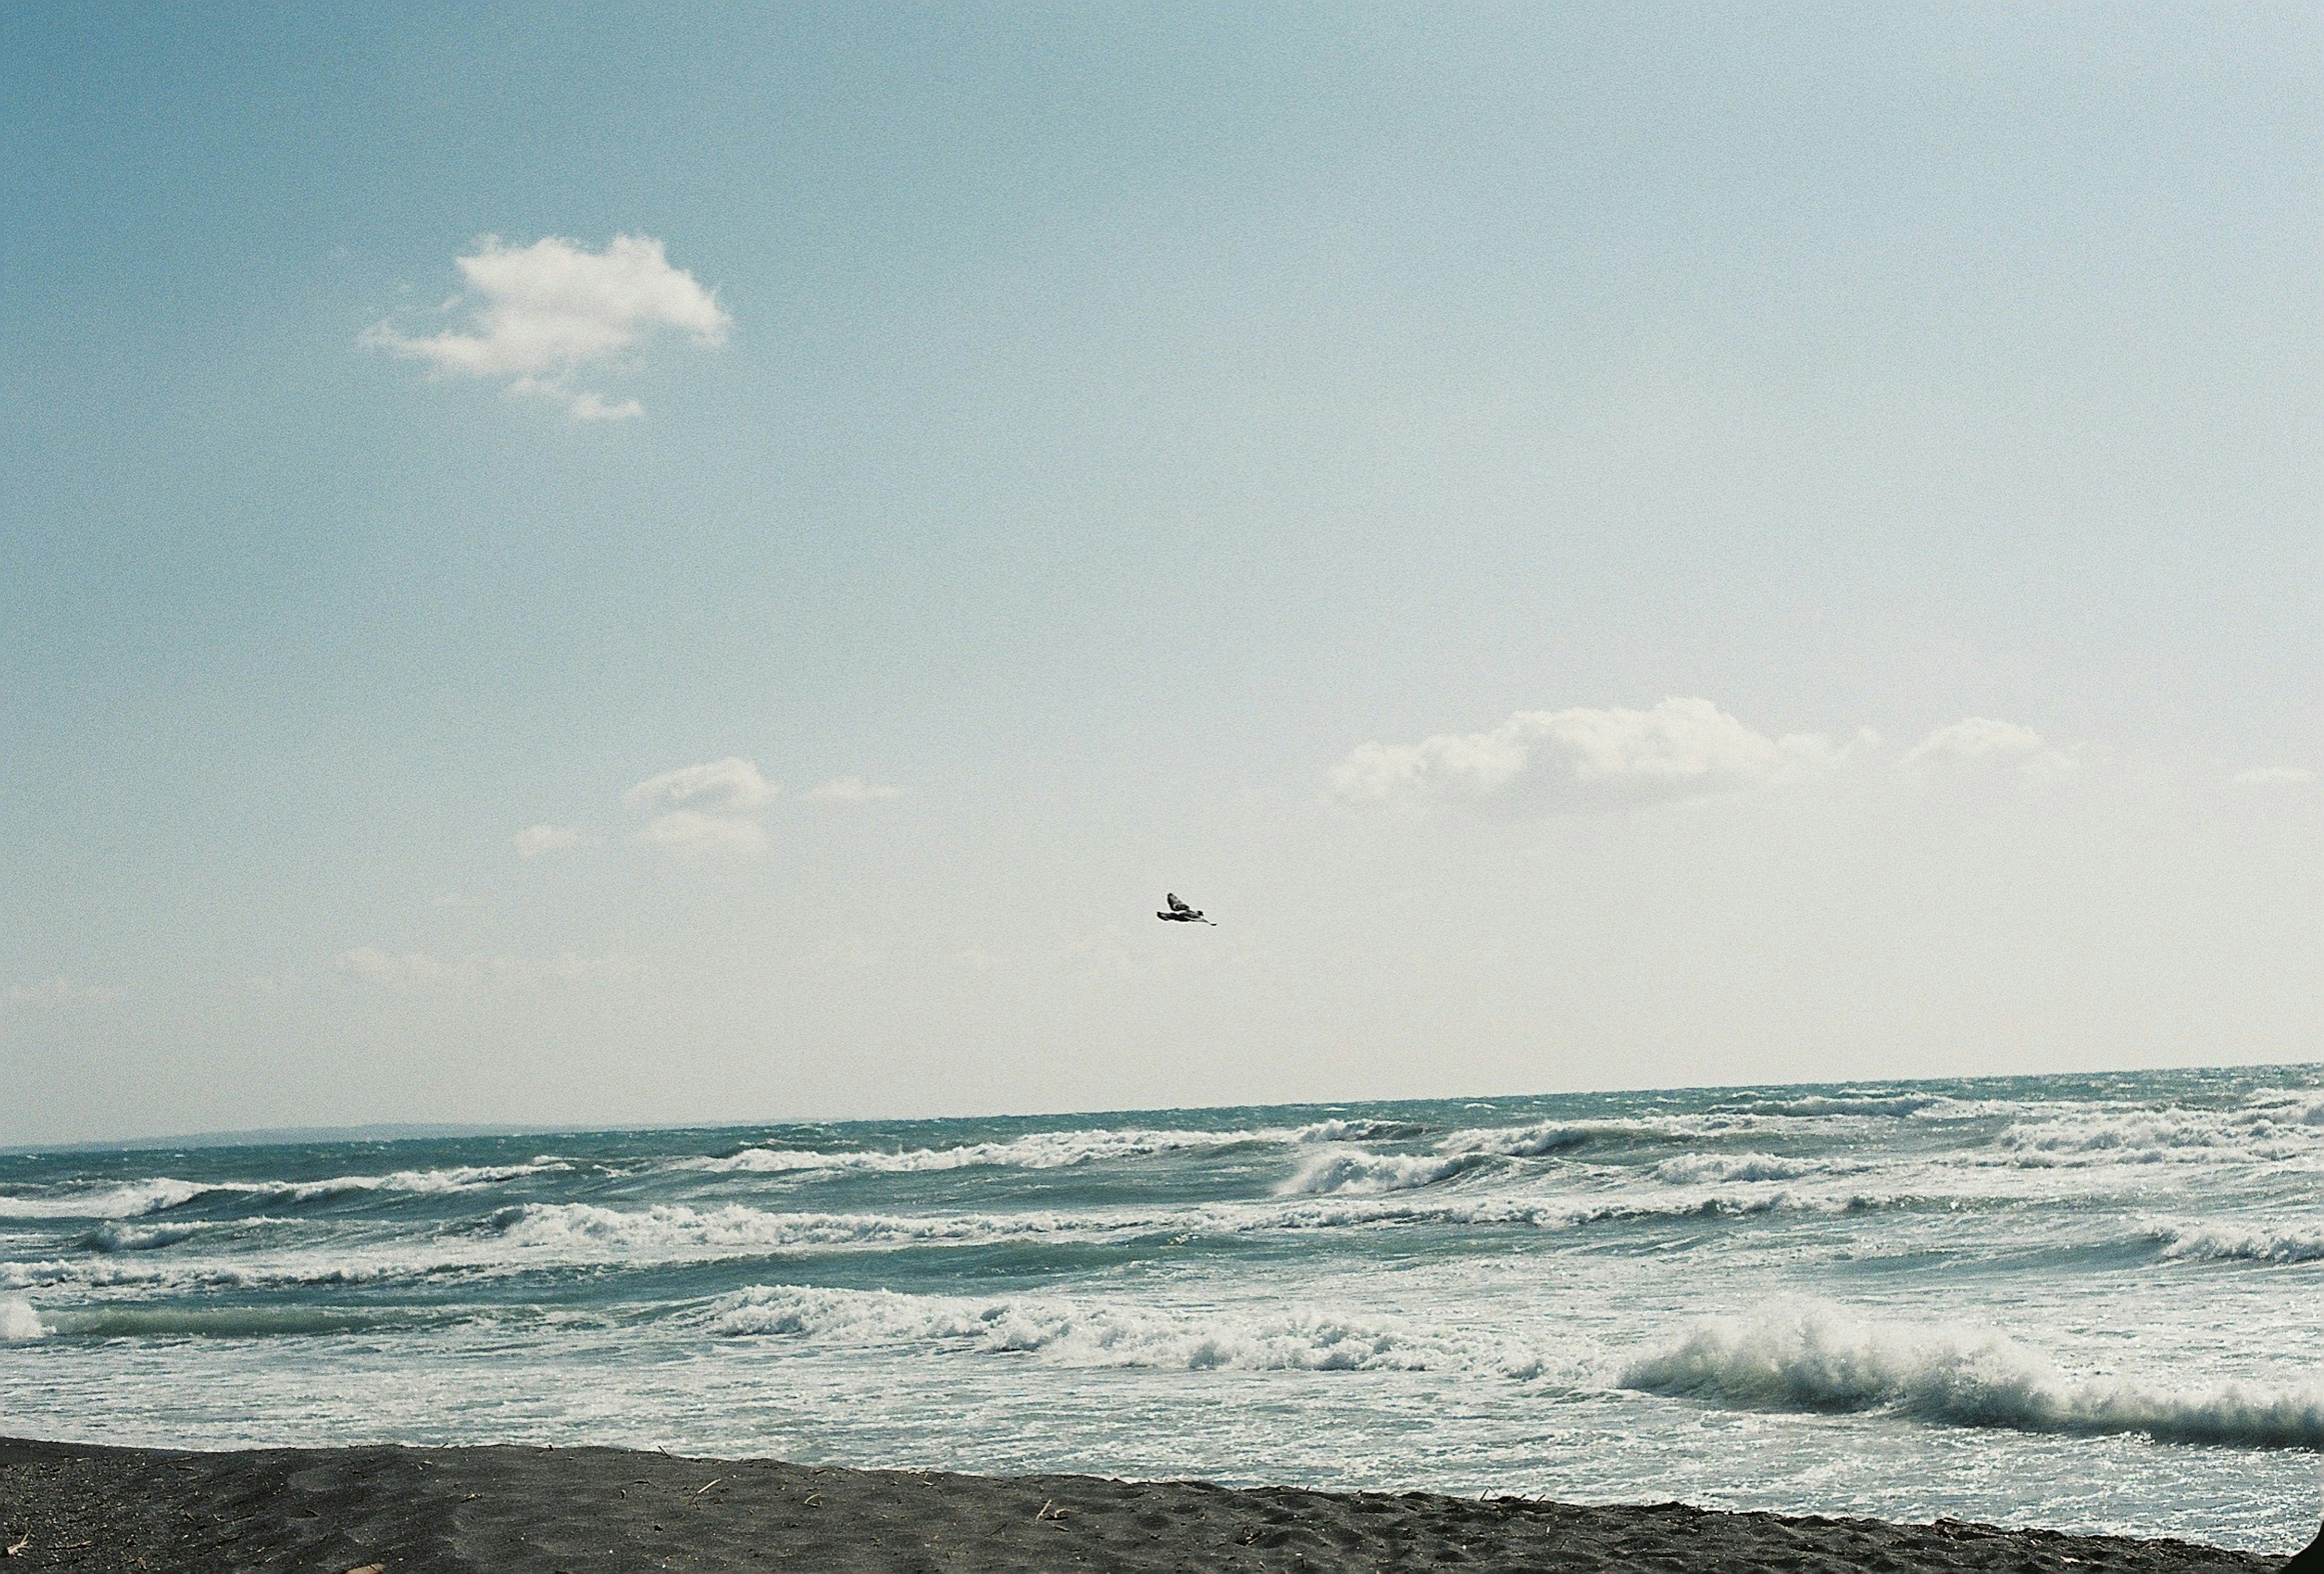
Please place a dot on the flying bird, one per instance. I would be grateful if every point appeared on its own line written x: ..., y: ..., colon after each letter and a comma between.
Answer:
x: 1179, y: 912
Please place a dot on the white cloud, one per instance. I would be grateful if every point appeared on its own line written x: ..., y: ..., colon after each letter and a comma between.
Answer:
x: 1981, y: 740
x: 588, y: 407
x: 1977, y: 738
x: 2274, y: 776
x: 704, y: 809
x: 55, y: 994
x: 1581, y: 758
x: 534, y: 840
x: 374, y: 965
x: 686, y: 831
x: 546, y: 310
x: 854, y: 789
x: 725, y: 787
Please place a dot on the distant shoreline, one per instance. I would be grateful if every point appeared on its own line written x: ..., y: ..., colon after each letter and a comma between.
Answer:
x: 533, y: 1510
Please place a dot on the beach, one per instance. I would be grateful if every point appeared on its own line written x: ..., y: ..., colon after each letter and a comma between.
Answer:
x: 515, y: 1510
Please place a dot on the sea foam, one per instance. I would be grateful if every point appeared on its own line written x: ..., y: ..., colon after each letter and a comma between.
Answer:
x: 1040, y: 1150
x: 1354, y: 1172
x: 1695, y: 1169
x: 163, y: 1193
x: 1517, y: 1141
x: 2206, y: 1241
x: 1815, y: 1358
x: 1101, y: 1334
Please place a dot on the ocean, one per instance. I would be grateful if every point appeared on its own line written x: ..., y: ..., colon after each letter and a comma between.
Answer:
x: 2090, y: 1303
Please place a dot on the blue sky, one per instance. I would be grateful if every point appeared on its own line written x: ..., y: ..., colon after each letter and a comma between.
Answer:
x: 1120, y: 420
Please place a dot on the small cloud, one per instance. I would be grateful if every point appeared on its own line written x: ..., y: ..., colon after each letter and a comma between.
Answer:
x: 57, y: 994
x: 854, y: 789
x: 534, y: 840
x: 1981, y: 740
x: 1977, y: 738
x: 704, y: 809
x: 1580, y: 760
x: 2274, y: 776
x: 545, y: 311
x: 688, y: 831
x: 588, y: 407
x: 725, y: 787
x: 374, y: 965
x: 567, y: 967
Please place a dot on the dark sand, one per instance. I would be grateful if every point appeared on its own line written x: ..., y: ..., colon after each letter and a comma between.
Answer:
x: 522, y: 1510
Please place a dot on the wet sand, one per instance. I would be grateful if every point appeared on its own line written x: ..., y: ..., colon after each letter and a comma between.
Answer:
x: 596, y: 1511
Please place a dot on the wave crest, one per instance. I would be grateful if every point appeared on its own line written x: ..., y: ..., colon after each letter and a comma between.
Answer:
x: 1354, y: 1172
x: 1696, y: 1169
x: 162, y: 1193
x: 1523, y: 1142
x: 1290, y: 1339
x: 1040, y: 1150
x: 19, y: 1322
x: 2197, y: 1241
x: 1813, y: 1359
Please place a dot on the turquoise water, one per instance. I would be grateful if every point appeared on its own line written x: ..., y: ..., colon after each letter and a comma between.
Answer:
x: 2090, y: 1303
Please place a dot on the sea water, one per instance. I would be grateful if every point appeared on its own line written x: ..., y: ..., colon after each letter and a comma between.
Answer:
x: 2089, y: 1302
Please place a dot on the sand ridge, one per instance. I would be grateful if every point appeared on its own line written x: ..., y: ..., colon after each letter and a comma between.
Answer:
x: 513, y: 1509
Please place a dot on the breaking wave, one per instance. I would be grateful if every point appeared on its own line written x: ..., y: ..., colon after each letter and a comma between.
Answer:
x: 2150, y: 1137
x: 1695, y: 1169
x: 1285, y: 1339
x: 162, y: 1193
x: 1338, y: 1131
x: 2210, y: 1242
x: 1040, y: 1150
x: 1896, y: 1105
x: 2296, y: 1106
x: 673, y: 1229
x: 1814, y: 1360
x: 1352, y: 1171
x: 19, y: 1322
x: 130, y: 1200
x: 114, y: 1236
x: 1517, y: 1141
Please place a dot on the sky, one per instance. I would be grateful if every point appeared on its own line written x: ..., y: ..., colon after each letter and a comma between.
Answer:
x: 700, y: 563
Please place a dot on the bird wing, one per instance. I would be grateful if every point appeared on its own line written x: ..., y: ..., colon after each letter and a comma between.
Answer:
x: 1175, y: 905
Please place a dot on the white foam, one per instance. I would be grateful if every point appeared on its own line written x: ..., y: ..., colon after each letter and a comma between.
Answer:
x: 161, y: 1194
x: 1694, y: 1169
x: 128, y: 1200
x: 1075, y: 1333
x: 1338, y: 1131
x: 1517, y: 1141
x: 422, y: 1182
x: 2205, y: 1241
x: 673, y: 1229
x: 114, y: 1236
x: 1816, y: 1358
x: 2298, y: 1106
x: 1354, y: 1172
x: 19, y: 1322
x: 2269, y: 1132
x: 1040, y: 1150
